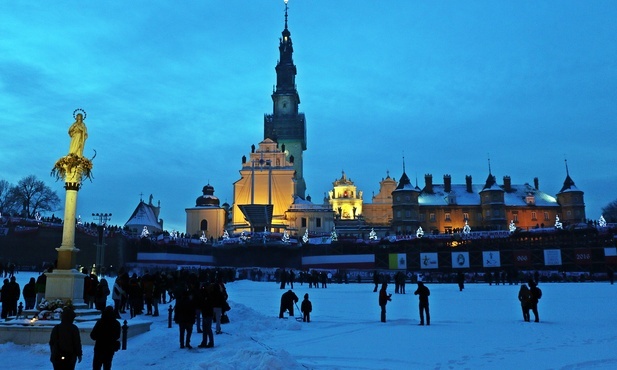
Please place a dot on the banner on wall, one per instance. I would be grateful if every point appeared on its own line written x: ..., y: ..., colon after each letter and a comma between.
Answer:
x: 428, y: 261
x: 582, y: 256
x: 552, y: 257
x: 397, y: 261
x: 491, y: 259
x: 521, y: 258
x: 460, y: 260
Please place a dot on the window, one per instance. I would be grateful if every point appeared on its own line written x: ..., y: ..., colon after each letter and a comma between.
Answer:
x: 465, y: 216
x: 422, y: 217
x: 448, y: 216
x: 303, y: 221
x: 398, y: 214
x: 204, y: 225
x: 534, y: 217
x: 515, y: 217
x: 496, y: 213
x: 408, y: 214
x: 569, y: 213
x: 546, y: 216
x: 318, y: 222
x: 431, y: 217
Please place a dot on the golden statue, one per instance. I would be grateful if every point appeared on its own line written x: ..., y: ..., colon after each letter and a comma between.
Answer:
x: 78, y: 133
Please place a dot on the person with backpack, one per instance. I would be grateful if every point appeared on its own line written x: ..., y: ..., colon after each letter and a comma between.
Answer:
x: 106, y: 336
x: 536, y: 294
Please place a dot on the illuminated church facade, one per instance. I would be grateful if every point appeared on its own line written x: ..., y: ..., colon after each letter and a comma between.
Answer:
x: 271, y: 192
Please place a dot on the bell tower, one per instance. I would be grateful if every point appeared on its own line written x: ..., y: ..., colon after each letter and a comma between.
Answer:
x: 286, y: 126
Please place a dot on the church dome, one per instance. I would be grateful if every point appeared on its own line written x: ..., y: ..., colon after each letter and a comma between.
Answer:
x: 207, y: 199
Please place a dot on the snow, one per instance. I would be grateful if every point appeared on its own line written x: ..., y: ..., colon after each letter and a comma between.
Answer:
x: 481, y: 327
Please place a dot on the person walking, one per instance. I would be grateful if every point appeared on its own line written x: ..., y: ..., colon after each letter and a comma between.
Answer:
x: 106, y: 335
x: 384, y: 298
x: 535, y: 295
x: 65, y: 342
x: 524, y: 296
x: 423, y: 293
x: 306, y: 307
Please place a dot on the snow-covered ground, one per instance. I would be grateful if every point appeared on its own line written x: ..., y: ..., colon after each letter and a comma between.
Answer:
x: 481, y: 327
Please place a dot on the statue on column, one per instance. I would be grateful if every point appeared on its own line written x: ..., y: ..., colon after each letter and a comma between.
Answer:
x: 74, y: 167
x: 78, y: 133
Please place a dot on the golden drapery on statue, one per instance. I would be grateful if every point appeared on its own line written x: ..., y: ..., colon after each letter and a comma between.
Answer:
x: 78, y: 133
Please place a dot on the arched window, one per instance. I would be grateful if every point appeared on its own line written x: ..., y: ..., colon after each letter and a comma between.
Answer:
x: 204, y: 225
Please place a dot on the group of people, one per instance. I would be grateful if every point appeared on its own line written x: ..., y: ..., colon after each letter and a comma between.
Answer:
x: 423, y: 292
x: 200, y: 300
x: 65, y: 341
x: 289, y: 299
x: 529, y: 297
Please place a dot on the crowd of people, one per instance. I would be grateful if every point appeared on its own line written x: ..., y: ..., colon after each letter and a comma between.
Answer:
x: 201, y: 301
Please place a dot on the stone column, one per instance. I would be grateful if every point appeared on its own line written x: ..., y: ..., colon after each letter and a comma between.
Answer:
x: 65, y: 282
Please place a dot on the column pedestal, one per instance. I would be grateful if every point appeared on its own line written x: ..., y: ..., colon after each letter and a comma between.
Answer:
x: 65, y: 284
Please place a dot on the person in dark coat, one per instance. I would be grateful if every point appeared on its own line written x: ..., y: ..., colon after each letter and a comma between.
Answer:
x: 29, y: 293
x: 106, y: 335
x: 207, y: 311
x: 101, y: 294
x: 65, y: 342
x: 14, y: 292
x: 4, y: 295
x: 219, y: 300
x: 524, y: 296
x: 41, y: 283
x: 306, y: 307
x: 423, y: 293
x: 288, y: 299
x: 460, y: 279
x: 535, y: 295
x: 184, y: 316
x: 384, y: 298
x: 375, y: 280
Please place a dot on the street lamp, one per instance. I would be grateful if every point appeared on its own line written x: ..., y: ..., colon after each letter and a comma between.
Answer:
x: 102, y: 219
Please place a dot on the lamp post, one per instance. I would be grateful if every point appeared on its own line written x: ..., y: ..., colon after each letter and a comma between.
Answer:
x: 102, y: 219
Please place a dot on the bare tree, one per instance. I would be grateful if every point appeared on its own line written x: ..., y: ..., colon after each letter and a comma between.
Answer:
x: 610, y: 212
x: 35, y: 196
x: 8, y: 203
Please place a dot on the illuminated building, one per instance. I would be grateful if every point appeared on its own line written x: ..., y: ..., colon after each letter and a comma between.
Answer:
x: 207, y: 218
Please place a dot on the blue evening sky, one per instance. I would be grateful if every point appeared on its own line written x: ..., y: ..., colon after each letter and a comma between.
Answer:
x: 175, y: 93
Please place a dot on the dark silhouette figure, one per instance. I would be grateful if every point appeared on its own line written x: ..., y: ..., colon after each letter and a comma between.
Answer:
x: 423, y: 293
x: 288, y: 299
x: 536, y: 294
x: 184, y: 316
x: 65, y: 342
x: 384, y: 297
x: 106, y: 335
x: 306, y: 307
x: 524, y: 296
x: 460, y: 279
